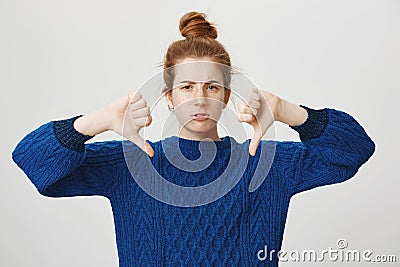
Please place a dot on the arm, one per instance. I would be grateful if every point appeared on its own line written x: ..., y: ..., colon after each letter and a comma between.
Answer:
x: 56, y: 160
x: 59, y: 163
x: 333, y: 147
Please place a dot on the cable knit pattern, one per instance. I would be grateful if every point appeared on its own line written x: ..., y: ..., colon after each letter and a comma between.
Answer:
x: 68, y: 136
x: 227, y: 232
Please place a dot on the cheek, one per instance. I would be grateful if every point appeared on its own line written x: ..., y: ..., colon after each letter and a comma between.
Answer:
x: 182, y: 111
x: 177, y: 99
x: 181, y: 116
x: 218, y: 104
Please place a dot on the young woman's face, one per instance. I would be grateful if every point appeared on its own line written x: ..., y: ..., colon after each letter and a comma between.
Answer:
x: 198, y: 97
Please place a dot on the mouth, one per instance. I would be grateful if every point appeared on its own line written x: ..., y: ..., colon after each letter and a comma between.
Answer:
x: 200, y: 116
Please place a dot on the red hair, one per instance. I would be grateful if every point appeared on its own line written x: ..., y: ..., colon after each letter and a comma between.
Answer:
x: 200, y: 42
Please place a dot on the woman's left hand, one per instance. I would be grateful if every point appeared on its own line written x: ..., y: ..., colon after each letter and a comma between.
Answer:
x: 260, y: 111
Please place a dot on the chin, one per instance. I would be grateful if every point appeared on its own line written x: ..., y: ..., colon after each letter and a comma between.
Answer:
x: 200, y: 127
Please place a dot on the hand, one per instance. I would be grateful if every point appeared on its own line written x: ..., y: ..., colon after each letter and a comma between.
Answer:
x: 137, y: 116
x: 260, y: 111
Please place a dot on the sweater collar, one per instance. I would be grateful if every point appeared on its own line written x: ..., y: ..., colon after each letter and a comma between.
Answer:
x: 188, y: 144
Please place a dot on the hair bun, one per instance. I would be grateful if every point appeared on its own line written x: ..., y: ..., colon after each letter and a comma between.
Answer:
x: 194, y: 24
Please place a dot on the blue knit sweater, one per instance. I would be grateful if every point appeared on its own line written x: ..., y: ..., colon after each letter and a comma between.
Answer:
x: 229, y: 231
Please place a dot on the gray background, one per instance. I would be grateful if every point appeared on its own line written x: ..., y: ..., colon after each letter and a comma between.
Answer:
x: 62, y: 58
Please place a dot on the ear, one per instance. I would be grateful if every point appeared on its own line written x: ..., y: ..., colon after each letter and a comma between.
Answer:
x: 226, y: 96
x: 168, y: 98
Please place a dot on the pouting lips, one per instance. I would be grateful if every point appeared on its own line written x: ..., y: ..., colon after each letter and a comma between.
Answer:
x: 200, y: 116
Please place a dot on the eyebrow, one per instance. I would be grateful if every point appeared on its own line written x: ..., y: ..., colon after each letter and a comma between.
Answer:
x: 192, y: 82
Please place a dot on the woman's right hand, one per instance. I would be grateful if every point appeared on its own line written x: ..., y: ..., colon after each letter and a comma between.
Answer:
x: 137, y: 117
x: 112, y: 117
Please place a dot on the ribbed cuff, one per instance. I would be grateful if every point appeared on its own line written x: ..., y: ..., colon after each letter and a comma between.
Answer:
x: 315, y: 124
x: 68, y: 136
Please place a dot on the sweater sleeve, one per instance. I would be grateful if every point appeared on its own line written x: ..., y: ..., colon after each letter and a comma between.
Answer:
x: 333, y: 147
x: 59, y: 163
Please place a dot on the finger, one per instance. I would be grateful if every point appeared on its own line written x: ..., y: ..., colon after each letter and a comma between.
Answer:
x: 255, y: 140
x: 253, y: 103
x: 246, y: 117
x: 149, y: 149
x: 142, y: 112
x: 141, y: 103
x: 133, y: 97
x: 245, y: 109
x: 143, y: 121
x: 242, y: 107
x: 254, y: 94
x: 143, y: 145
x: 149, y: 120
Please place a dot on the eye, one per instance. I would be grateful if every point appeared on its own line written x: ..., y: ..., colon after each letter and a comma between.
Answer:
x: 186, y: 87
x: 213, y: 87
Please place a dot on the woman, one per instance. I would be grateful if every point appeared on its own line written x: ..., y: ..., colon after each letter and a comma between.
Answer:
x: 231, y: 230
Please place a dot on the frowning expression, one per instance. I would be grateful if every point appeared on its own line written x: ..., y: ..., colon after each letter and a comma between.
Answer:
x: 198, y: 96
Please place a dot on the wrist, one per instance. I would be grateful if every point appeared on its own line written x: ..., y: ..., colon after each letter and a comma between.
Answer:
x: 291, y: 114
x: 274, y: 102
x: 279, y: 109
x: 315, y: 124
x: 92, y: 123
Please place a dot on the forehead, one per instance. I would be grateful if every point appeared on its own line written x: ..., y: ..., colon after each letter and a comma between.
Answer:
x: 197, y: 70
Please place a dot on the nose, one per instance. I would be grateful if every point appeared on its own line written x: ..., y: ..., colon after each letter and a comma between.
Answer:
x: 200, y: 95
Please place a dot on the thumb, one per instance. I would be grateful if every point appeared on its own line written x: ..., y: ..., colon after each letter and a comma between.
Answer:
x: 255, y: 141
x: 143, y: 145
